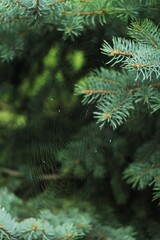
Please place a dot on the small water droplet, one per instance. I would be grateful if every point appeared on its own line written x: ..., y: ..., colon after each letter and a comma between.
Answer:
x: 110, y: 140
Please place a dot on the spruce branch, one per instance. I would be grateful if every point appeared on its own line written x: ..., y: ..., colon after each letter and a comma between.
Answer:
x: 142, y: 55
x: 21, y: 4
x: 145, y: 171
x: 146, y: 32
x: 114, y: 110
x: 37, y: 8
x: 56, y: 2
x: 8, y: 225
x: 83, y: 154
x: 71, y: 17
x: 15, y: 173
x: 111, y: 90
x: 46, y: 226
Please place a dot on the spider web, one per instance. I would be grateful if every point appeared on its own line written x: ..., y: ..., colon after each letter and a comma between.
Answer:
x: 55, y: 185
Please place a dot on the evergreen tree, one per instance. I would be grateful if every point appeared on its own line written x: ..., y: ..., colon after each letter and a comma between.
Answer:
x: 67, y: 169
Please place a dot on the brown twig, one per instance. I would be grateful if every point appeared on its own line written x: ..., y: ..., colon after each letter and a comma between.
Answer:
x: 86, y: 13
x: 16, y: 173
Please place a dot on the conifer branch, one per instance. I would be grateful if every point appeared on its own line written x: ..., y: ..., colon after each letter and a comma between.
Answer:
x: 11, y: 172
x: 15, y: 173
x: 94, y: 91
x: 115, y: 52
x: 142, y: 65
x: 96, y: 12
x: 37, y: 8
x: 115, y: 108
x: 7, y: 233
x: 56, y: 2
x: 15, y: 19
x: 146, y: 32
x: 141, y: 55
x: 21, y: 4
x: 112, y: 81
